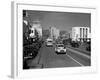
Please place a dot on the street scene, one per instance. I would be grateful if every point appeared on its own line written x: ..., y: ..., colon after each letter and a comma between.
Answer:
x: 56, y: 39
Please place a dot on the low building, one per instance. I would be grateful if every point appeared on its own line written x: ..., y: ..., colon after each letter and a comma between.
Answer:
x: 81, y: 34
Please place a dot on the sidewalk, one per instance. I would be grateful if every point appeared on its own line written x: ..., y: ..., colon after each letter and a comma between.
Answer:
x: 35, y: 63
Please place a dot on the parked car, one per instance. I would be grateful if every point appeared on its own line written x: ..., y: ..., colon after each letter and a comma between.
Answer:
x: 60, y: 48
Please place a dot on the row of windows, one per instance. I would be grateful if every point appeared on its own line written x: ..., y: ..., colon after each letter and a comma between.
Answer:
x: 83, y: 32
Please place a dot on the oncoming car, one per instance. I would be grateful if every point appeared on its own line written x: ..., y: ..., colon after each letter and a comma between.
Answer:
x: 60, y: 48
x: 49, y: 42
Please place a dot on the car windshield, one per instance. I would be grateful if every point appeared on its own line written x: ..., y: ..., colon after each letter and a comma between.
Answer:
x: 61, y: 45
x: 49, y: 41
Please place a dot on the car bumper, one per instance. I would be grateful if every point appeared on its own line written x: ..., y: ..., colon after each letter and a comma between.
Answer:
x: 49, y: 45
x: 60, y: 51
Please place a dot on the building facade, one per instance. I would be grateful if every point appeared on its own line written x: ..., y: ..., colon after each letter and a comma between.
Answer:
x: 54, y: 32
x: 81, y: 34
x: 37, y: 26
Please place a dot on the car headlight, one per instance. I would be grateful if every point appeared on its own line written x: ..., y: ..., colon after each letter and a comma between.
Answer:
x: 65, y: 50
x: 58, y: 50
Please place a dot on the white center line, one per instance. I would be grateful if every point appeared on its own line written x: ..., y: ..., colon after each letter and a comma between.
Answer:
x: 74, y: 60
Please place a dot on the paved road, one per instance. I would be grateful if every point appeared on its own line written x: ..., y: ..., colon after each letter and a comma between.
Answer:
x: 49, y: 59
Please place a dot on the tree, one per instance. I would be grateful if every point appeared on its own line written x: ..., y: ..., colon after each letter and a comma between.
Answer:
x: 46, y: 33
x: 62, y: 32
x: 36, y: 35
x: 25, y: 33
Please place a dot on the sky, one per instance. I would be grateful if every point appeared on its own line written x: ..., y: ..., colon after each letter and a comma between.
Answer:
x: 60, y: 20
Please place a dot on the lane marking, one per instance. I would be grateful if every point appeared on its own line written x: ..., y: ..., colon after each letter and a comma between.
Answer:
x: 74, y: 60
x: 77, y: 52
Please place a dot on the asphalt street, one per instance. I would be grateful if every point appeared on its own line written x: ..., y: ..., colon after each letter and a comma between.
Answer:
x: 49, y: 59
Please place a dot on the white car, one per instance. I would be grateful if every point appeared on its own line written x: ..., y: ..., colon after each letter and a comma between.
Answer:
x: 60, y: 48
x: 49, y: 42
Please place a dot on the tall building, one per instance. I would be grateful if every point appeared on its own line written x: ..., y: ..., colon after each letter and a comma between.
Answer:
x: 25, y: 24
x: 81, y: 34
x: 54, y: 32
x: 25, y: 17
x: 38, y: 27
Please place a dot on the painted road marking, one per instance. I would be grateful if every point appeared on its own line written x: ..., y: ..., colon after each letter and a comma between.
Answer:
x: 74, y: 60
x: 79, y: 53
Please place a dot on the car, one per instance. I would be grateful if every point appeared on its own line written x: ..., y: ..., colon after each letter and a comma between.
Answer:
x: 49, y: 42
x: 60, y: 48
